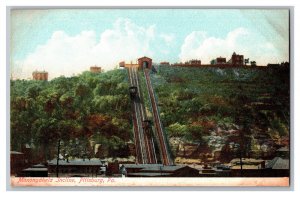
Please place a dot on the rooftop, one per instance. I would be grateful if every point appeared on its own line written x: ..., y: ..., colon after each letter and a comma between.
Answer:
x: 77, y: 162
x: 140, y: 165
x: 35, y: 169
x: 16, y: 153
x: 145, y: 57
x: 162, y: 168
x: 246, y: 167
x: 151, y: 174
x: 40, y: 72
x: 278, y: 163
x: 38, y: 166
x: 155, y: 167
x: 249, y: 161
x: 283, y: 149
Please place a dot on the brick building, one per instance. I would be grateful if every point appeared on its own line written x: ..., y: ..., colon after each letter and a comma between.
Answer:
x: 17, y: 162
x: 165, y: 63
x: 236, y: 60
x: 95, y: 69
x: 145, y: 62
x: 75, y: 167
x: 40, y: 75
x: 159, y: 170
x: 218, y: 61
x: 191, y: 63
x: 38, y: 170
x: 195, y: 62
x: 122, y: 64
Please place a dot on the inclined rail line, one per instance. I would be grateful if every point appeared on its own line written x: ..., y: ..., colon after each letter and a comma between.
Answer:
x: 138, y: 144
x: 166, y: 159
x: 145, y: 151
x: 139, y: 120
x: 146, y: 131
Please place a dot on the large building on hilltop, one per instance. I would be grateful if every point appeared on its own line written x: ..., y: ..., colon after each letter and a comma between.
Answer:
x: 218, y: 61
x: 143, y: 62
x: 95, y: 69
x: 40, y: 75
x: 236, y: 60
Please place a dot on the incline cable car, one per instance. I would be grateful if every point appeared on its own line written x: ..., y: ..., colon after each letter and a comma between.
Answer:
x: 133, y: 91
x: 146, y: 123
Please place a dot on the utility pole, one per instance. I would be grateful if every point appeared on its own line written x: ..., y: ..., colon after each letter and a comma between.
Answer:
x: 160, y: 168
x: 241, y: 161
x: 57, y: 158
x: 241, y: 147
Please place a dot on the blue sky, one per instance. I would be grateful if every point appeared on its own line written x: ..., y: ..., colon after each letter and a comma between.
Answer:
x: 59, y: 40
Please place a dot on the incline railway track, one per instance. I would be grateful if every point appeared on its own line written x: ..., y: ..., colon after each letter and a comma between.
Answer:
x: 143, y: 135
x: 145, y: 151
x: 163, y: 147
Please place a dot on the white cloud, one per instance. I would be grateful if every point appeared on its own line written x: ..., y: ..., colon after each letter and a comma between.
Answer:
x: 198, y: 45
x: 168, y: 38
x: 65, y: 55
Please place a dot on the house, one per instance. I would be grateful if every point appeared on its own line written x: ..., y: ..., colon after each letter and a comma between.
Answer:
x: 278, y: 163
x: 122, y: 64
x: 250, y: 167
x: 165, y: 63
x: 17, y: 163
x: 283, y: 152
x: 207, y: 172
x: 113, y: 168
x: 214, y: 170
x: 40, y: 75
x: 29, y: 157
x: 75, y: 168
x: 38, y: 170
x: 236, y: 60
x: 95, y: 69
x: 277, y: 167
x: 218, y: 61
x: 159, y: 170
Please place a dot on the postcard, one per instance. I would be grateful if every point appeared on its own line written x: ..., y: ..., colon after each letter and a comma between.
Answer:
x: 150, y: 97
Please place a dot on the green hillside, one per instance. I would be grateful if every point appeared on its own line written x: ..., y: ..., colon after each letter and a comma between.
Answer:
x: 218, y: 108
x: 81, y: 111
x: 214, y: 108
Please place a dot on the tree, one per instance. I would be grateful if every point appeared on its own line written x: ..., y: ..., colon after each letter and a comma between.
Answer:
x: 70, y: 110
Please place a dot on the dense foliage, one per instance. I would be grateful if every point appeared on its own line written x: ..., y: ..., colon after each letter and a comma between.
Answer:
x: 81, y: 111
x: 196, y: 103
x: 215, y: 108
